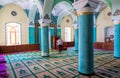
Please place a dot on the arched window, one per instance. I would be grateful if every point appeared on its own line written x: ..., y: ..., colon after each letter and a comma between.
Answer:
x: 68, y: 34
x: 13, y: 35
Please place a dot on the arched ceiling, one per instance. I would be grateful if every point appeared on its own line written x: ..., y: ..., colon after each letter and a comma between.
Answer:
x: 115, y: 4
x: 65, y: 13
x: 63, y: 9
x: 32, y: 13
x: 48, y: 7
x: 58, y: 1
x: 25, y: 4
x: 62, y: 6
x: 109, y: 2
x: 58, y: 6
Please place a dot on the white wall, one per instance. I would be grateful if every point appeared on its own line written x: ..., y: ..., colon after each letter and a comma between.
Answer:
x: 7, y: 17
x: 103, y: 21
x: 64, y: 24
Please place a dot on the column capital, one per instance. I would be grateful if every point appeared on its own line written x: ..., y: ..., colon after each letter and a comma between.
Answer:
x: 31, y: 24
x: 47, y: 21
x: 89, y: 6
x: 44, y: 24
x: 75, y: 26
x: 85, y: 10
x: 117, y: 22
x: 82, y: 7
x: 116, y: 16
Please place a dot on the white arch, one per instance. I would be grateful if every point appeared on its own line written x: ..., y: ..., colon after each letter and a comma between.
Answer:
x: 40, y: 8
x: 59, y: 7
x: 65, y: 13
x: 32, y: 13
x: 63, y: 9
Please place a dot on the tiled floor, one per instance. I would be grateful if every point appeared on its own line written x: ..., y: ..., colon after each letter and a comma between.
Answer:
x: 64, y: 65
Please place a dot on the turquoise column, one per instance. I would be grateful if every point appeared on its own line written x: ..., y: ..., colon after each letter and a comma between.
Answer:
x: 39, y: 36
x: 117, y: 41
x: 76, y: 39
x: 31, y: 35
x: 45, y: 40
x: 52, y: 34
x: 94, y: 34
x: 58, y: 32
x: 95, y: 29
x: 85, y: 56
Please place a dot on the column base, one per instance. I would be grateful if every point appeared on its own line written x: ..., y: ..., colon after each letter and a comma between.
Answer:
x: 117, y: 57
x: 87, y: 74
x: 75, y: 49
x: 44, y: 54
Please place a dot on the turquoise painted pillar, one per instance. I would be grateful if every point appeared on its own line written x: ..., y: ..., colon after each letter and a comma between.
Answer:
x: 31, y: 34
x: 85, y: 56
x: 86, y: 23
x: 95, y: 29
x: 94, y: 33
x: 59, y: 32
x: 117, y: 41
x: 45, y: 40
x: 76, y: 39
x: 39, y: 36
x: 51, y: 34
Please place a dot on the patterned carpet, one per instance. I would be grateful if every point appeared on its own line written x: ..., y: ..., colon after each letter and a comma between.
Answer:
x: 64, y: 65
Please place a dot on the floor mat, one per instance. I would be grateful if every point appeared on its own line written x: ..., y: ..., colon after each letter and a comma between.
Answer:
x: 33, y: 65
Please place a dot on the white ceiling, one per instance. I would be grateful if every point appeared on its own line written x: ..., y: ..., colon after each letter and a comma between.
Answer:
x: 115, y: 4
x: 25, y: 4
x: 62, y: 6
